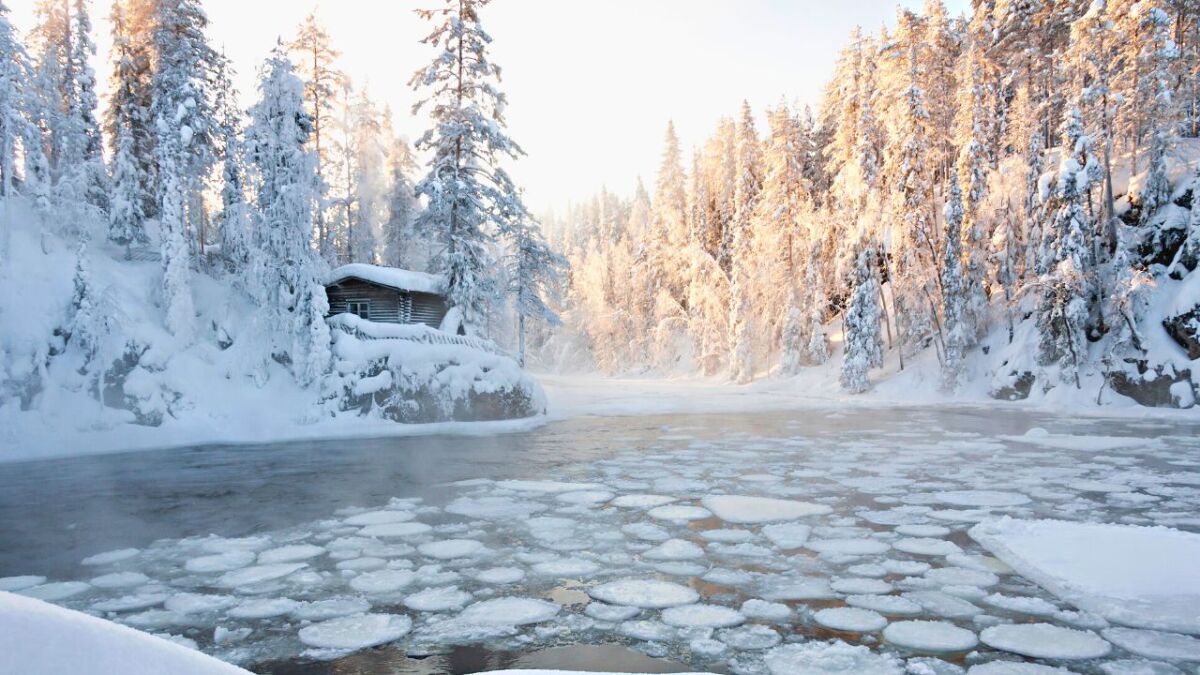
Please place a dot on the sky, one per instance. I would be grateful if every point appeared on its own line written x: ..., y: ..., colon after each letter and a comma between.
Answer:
x: 591, y: 83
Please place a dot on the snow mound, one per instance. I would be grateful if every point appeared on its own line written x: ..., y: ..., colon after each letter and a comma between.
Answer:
x: 829, y: 658
x: 930, y: 636
x: 644, y: 593
x: 753, y: 510
x: 1045, y: 641
x: 1146, y: 577
x: 350, y: 633
x: 34, y: 635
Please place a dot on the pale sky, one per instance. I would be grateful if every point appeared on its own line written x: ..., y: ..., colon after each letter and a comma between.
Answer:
x: 591, y: 83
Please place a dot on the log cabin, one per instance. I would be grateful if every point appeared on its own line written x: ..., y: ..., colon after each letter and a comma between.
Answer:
x: 387, y: 294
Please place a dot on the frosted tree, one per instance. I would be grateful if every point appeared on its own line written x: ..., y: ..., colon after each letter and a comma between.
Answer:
x: 973, y: 164
x: 465, y: 187
x: 913, y: 242
x: 284, y: 181
x: 1158, y: 121
x: 129, y: 119
x: 14, y: 128
x: 92, y: 177
x: 87, y: 325
x: 954, y: 298
x: 747, y: 185
x: 669, y: 219
x: 235, y: 215
x: 816, y: 348
x: 316, y: 63
x: 185, y: 123
x: 534, y: 271
x: 403, y: 246
x: 1064, y: 312
x: 1096, y: 46
x: 863, y: 345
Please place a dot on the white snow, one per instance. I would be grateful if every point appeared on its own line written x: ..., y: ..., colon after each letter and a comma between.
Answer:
x: 392, y: 277
x: 752, y: 510
x: 1145, y: 577
x: 644, y: 593
x: 929, y: 636
x: 1045, y: 641
x: 37, y: 638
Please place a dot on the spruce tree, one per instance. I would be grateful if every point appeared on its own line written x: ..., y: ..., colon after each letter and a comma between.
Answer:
x: 466, y: 187
x: 285, y: 181
x: 954, y: 299
x: 863, y: 348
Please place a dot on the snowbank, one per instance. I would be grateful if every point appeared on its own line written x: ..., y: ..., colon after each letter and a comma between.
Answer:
x: 37, y: 638
x: 1146, y: 577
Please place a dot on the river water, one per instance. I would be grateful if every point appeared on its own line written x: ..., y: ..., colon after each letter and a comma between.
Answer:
x: 542, y: 508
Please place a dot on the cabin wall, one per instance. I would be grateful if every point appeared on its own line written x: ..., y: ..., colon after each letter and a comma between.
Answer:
x: 386, y: 305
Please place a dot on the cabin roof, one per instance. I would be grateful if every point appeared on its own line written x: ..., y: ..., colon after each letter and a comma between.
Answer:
x: 390, y: 277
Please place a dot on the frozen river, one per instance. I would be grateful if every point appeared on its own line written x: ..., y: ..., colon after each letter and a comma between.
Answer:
x: 726, y: 543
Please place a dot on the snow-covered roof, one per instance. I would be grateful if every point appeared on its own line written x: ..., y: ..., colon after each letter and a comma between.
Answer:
x: 392, y: 277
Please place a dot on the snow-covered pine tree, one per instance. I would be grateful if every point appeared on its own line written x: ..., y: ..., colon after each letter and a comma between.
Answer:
x: 86, y: 324
x: 235, y: 216
x: 1064, y: 312
x: 958, y: 333
x: 465, y: 185
x: 316, y: 59
x: 185, y: 123
x: 285, y: 180
x: 129, y: 119
x: 371, y: 140
x: 913, y: 243
x: 128, y: 198
x: 14, y: 128
x: 90, y: 171
x: 863, y: 346
x: 747, y: 185
x: 1158, y: 121
x: 534, y: 271
x: 973, y: 164
x: 816, y: 349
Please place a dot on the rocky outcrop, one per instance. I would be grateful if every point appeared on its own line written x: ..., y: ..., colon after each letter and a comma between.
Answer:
x: 1185, y: 330
x: 1014, y: 387
x: 1159, y: 386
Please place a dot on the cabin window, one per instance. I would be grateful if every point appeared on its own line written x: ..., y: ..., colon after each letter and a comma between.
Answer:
x: 360, y: 308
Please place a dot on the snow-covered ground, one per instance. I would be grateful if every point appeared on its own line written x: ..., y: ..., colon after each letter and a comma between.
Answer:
x: 805, y: 546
